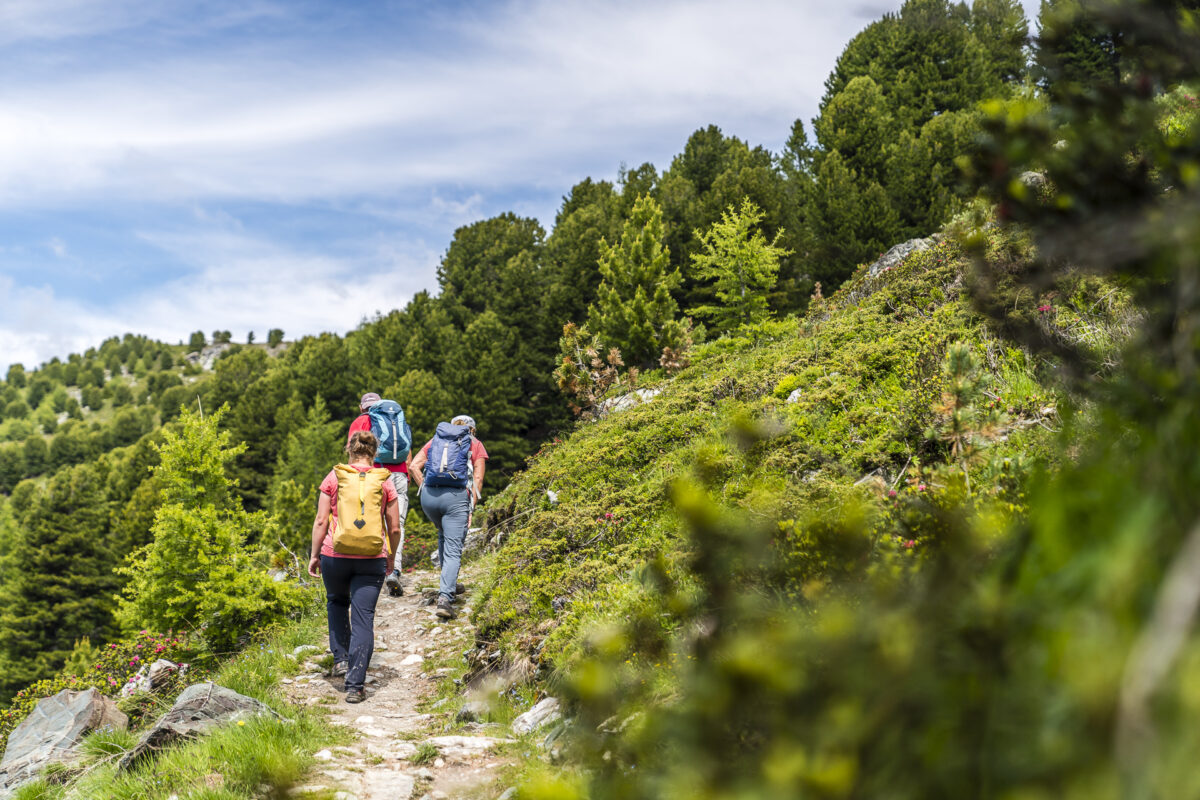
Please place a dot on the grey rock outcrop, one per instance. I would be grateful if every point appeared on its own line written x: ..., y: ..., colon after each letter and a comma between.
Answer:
x: 627, y: 401
x: 52, y: 732
x: 207, y: 356
x: 198, y: 709
x: 150, y: 676
x: 1034, y: 180
x: 541, y: 715
x: 898, y: 253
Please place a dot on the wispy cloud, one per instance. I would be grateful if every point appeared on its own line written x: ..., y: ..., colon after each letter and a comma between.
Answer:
x: 534, y: 88
x: 58, y: 247
x: 362, y: 134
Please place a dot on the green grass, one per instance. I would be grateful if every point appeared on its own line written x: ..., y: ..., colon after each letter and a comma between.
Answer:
x: 426, y: 753
x: 254, y: 758
x: 868, y: 366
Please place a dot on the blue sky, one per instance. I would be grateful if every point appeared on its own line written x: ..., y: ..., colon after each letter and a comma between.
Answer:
x: 178, y: 165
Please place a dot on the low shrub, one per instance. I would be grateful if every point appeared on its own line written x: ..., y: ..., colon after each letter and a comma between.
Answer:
x: 118, y: 662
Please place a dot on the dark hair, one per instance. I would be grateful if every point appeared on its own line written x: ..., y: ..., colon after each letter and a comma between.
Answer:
x: 362, y: 444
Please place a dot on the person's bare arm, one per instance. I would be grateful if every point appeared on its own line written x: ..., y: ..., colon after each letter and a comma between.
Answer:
x: 392, y: 512
x: 480, y: 468
x: 416, y: 468
x: 320, y: 526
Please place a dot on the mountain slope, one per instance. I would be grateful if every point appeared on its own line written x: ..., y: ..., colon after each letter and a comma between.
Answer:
x: 842, y: 406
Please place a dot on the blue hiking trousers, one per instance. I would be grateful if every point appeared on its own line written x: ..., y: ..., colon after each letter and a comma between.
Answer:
x: 352, y: 587
x: 448, y: 508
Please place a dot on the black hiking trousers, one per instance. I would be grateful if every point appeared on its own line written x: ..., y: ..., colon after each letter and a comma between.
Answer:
x: 352, y: 587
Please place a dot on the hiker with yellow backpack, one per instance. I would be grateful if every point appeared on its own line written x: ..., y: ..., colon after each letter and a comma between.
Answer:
x: 354, y: 541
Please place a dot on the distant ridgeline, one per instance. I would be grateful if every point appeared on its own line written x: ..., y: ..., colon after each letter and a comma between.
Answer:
x: 78, y: 436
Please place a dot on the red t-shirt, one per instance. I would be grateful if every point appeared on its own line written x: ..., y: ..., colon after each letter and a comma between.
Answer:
x: 363, y: 423
x: 329, y: 487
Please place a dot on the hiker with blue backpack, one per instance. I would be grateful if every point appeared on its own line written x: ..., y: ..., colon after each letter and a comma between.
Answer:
x: 384, y: 419
x: 449, y: 473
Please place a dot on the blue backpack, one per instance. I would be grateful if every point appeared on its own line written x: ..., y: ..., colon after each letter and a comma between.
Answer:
x: 392, y: 431
x: 449, y: 462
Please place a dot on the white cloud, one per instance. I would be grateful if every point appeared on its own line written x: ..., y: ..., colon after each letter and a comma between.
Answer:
x: 140, y: 105
x: 530, y: 91
x: 51, y: 20
x: 239, y: 284
x: 536, y: 89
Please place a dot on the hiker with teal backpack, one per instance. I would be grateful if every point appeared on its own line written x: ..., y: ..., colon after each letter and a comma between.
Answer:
x: 449, y: 472
x: 385, y: 420
x: 354, y: 541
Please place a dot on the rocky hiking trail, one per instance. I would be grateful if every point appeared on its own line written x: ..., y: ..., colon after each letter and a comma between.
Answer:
x: 392, y: 732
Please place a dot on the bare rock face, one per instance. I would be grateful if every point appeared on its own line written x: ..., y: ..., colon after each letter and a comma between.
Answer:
x: 898, y: 253
x: 541, y: 715
x: 627, y: 401
x: 207, y: 356
x: 1034, y: 180
x: 52, y: 732
x: 198, y: 709
x: 151, y: 675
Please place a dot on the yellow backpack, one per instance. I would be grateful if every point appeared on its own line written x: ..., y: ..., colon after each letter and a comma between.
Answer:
x: 359, y: 530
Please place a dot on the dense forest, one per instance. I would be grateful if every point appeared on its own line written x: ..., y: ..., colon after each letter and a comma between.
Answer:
x: 717, y: 272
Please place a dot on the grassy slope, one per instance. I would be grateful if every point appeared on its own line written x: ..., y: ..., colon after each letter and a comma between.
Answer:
x: 260, y: 757
x: 867, y: 364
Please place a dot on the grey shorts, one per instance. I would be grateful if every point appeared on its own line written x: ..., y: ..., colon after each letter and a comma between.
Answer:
x: 400, y: 482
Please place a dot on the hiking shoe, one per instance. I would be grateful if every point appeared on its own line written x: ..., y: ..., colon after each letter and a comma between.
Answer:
x: 339, y: 669
x: 355, y: 695
x: 459, y: 589
x: 392, y: 582
x: 444, y: 609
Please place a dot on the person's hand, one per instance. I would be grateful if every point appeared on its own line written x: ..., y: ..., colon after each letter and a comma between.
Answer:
x: 314, y: 566
x: 391, y: 564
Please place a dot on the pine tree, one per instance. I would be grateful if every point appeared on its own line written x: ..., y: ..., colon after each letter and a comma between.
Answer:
x: 713, y: 172
x: 899, y: 109
x: 634, y: 310
x: 589, y: 213
x: 15, y: 376
x: 308, y: 455
x: 473, y: 273
x: 742, y: 265
x: 852, y: 225
x: 486, y: 385
x: 858, y: 124
x: 1002, y: 30
x: 1073, y: 49
x: 12, y: 466
x: 59, y: 580
x: 196, y: 573
x: 37, y: 455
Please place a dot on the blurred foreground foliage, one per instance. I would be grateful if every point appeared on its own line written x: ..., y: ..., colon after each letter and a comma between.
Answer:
x: 1014, y: 631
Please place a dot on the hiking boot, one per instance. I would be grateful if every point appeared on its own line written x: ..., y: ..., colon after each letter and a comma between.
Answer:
x: 459, y: 589
x: 339, y: 669
x: 355, y: 695
x: 444, y: 609
x: 392, y: 582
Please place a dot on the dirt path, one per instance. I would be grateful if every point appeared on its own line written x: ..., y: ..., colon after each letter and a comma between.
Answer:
x: 391, y: 729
